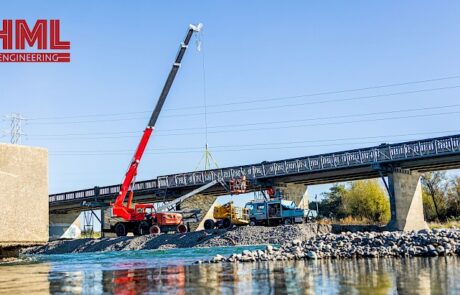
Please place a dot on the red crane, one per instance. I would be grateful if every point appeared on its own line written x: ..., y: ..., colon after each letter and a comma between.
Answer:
x: 142, y: 218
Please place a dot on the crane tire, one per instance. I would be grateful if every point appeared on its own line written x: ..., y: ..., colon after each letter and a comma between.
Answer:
x: 155, y: 230
x: 181, y: 228
x: 226, y: 223
x: 120, y: 229
x: 209, y: 224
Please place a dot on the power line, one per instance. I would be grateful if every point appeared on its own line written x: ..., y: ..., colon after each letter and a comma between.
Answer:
x: 264, y: 108
x: 323, y: 101
x: 343, y: 122
x: 279, y: 127
x: 225, y: 147
x: 222, y: 150
x: 267, y: 107
x: 264, y: 123
x: 255, y: 100
x: 321, y: 118
x: 326, y: 92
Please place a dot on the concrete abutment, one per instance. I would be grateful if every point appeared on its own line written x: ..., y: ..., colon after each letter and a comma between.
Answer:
x: 23, y: 196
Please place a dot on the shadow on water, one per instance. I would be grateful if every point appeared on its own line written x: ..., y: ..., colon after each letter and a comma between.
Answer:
x: 371, y: 276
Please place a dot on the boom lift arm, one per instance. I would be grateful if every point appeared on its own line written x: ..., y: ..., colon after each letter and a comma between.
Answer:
x: 119, y: 209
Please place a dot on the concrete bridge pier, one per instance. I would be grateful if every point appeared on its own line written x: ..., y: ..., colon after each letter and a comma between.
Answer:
x: 406, y: 203
x: 296, y: 192
x: 205, y: 203
x: 64, y: 226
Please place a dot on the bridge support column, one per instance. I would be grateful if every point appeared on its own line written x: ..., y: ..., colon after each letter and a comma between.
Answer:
x: 205, y: 203
x: 406, y: 201
x: 105, y: 219
x: 297, y: 193
x: 65, y: 226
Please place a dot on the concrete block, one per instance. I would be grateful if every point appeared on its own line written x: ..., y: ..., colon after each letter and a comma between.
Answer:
x: 23, y: 195
x: 406, y: 201
x: 297, y: 193
x: 205, y: 203
x: 65, y: 226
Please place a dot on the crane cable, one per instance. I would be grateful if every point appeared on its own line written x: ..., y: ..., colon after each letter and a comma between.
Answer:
x: 207, y: 156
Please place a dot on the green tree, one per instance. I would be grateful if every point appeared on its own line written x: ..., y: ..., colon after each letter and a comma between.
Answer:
x: 367, y: 199
x: 331, y: 205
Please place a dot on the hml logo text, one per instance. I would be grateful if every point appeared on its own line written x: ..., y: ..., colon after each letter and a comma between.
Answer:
x: 45, y: 35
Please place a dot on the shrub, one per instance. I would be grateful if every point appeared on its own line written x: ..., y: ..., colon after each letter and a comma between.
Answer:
x: 366, y: 199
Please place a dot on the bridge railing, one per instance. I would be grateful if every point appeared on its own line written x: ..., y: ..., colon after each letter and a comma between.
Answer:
x: 368, y: 156
x: 102, y: 192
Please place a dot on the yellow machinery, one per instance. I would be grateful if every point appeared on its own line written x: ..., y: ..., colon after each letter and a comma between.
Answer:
x: 227, y: 215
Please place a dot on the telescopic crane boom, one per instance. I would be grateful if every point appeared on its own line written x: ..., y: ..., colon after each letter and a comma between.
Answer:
x: 119, y: 208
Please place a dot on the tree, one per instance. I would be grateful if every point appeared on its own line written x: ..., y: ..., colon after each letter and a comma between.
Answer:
x: 331, y: 205
x: 367, y: 199
x: 359, y: 199
x: 435, y: 185
x: 453, y: 198
x: 429, y: 209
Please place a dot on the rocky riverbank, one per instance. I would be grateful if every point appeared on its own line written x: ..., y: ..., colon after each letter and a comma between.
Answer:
x: 425, y: 243
x: 246, y: 235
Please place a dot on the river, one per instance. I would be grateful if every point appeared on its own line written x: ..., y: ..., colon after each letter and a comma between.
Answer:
x: 173, y: 271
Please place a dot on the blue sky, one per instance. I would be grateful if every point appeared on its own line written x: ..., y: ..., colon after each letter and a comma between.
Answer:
x: 263, y: 62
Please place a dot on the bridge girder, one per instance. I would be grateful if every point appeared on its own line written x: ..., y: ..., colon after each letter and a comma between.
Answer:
x: 440, y: 153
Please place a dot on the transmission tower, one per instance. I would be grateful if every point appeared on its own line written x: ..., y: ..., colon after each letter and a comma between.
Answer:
x: 15, y: 131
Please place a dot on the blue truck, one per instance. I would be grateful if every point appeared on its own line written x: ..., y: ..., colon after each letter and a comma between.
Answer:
x: 274, y: 212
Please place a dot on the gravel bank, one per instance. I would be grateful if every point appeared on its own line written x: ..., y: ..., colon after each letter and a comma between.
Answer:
x: 423, y: 243
x: 246, y: 235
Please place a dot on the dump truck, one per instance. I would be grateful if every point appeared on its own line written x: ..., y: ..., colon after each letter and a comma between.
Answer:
x: 274, y: 212
x: 227, y: 215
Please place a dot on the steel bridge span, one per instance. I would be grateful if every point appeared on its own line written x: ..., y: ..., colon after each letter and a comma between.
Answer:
x: 420, y: 155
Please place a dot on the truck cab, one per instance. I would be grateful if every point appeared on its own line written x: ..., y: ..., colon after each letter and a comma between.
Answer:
x: 274, y: 212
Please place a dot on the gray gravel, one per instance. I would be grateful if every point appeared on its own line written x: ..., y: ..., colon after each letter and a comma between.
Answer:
x: 245, y: 235
x: 425, y: 243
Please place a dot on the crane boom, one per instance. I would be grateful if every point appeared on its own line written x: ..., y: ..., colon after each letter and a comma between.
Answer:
x: 119, y: 209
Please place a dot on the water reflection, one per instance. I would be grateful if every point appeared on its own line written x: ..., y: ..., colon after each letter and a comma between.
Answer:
x: 375, y: 276
x: 25, y: 279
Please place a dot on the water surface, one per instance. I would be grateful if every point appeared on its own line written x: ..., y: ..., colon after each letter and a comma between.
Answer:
x: 173, y: 271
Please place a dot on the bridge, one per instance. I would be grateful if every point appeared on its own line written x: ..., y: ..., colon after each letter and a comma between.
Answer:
x: 401, y: 162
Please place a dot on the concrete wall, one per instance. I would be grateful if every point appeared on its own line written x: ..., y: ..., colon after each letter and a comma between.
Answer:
x: 23, y: 195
